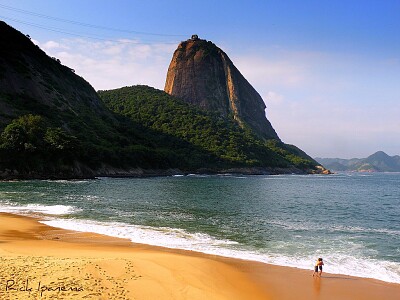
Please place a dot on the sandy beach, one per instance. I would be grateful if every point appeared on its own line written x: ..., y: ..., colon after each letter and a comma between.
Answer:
x: 41, y: 262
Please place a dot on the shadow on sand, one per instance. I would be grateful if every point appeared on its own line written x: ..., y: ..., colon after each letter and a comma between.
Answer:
x: 337, y: 277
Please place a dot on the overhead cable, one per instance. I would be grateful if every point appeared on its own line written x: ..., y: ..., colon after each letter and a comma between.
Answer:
x: 86, y: 24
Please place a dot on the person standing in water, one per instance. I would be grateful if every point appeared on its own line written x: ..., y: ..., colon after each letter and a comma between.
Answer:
x: 318, y: 265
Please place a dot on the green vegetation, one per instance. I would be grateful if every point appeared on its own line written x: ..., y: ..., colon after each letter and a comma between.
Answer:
x: 227, y: 144
x: 53, y: 124
x: 32, y: 143
x: 292, y: 154
x: 150, y: 129
x: 28, y: 142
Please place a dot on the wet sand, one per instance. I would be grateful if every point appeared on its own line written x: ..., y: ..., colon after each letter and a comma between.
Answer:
x: 41, y: 262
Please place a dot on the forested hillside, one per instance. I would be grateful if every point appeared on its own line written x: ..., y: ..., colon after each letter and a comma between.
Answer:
x: 232, y: 145
x: 53, y: 124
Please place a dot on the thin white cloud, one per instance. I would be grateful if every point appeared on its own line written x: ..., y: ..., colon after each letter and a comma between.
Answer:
x: 274, y: 98
x: 260, y: 69
x: 108, y: 65
x: 51, y: 45
x: 327, y: 105
x: 112, y: 50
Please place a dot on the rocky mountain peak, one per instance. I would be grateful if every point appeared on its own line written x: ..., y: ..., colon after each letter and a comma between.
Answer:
x: 202, y: 74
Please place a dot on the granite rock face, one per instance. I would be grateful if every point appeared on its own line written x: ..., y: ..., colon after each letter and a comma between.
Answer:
x: 202, y: 74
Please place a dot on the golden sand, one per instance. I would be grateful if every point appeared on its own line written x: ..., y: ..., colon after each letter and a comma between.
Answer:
x: 42, y: 262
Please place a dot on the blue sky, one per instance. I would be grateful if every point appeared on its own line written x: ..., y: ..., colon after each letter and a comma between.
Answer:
x: 328, y: 70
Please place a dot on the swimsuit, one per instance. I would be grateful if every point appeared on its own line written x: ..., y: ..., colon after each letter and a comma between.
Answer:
x: 318, y: 266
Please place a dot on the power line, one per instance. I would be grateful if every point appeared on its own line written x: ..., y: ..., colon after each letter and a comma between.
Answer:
x: 54, y: 29
x: 85, y: 24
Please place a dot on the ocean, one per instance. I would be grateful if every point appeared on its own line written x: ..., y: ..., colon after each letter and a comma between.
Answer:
x: 351, y: 220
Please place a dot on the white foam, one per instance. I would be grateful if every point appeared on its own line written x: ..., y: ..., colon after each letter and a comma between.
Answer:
x: 38, y: 208
x: 365, y: 230
x: 162, y: 236
x: 67, y: 181
x: 309, y: 225
x: 335, y: 262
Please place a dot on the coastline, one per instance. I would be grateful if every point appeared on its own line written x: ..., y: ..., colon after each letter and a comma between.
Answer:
x: 80, y: 171
x: 39, y: 259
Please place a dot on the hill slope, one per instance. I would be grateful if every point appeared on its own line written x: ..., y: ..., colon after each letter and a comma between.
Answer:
x: 377, y: 162
x: 54, y: 125
x: 232, y: 145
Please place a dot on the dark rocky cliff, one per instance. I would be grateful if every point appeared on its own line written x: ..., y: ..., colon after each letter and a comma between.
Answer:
x: 53, y: 124
x: 32, y: 82
x: 202, y: 74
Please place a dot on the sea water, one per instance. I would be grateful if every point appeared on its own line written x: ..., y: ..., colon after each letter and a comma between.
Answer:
x: 350, y: 220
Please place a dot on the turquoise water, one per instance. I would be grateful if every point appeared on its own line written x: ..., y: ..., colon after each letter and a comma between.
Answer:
x: 351, y: 220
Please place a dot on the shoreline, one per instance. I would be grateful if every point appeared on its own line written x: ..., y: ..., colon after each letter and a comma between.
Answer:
x: 179, y: 245
x: 85, y: 173
x: 111, y: 268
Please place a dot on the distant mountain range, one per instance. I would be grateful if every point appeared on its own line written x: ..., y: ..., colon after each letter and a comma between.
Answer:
x: 377, y: 162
